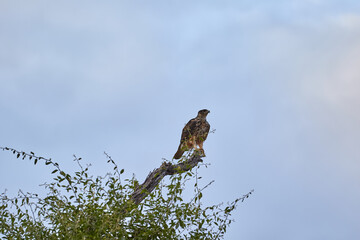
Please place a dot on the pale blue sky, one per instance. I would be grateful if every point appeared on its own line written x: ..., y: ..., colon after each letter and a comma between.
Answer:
x: 281, y: 79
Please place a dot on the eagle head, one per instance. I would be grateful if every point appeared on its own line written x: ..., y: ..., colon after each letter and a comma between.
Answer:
x: 203, y: 113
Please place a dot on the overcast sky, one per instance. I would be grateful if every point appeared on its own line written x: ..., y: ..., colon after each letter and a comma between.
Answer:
x: 281, y: 79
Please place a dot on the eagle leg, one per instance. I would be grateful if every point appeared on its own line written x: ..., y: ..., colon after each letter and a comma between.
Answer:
x: 201, y: 148
x: 202, y: 152
x: 200, y: 143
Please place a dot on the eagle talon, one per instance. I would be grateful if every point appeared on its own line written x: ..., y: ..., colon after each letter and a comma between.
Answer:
x: 200, y: 152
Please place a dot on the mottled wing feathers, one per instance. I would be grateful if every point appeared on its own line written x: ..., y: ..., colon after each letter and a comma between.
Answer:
x: 189, y: 129
x: 186, y: 134
x: 206, y: 130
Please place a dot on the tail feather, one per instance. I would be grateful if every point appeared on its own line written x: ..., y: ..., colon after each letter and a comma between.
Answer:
x: 179, y: 153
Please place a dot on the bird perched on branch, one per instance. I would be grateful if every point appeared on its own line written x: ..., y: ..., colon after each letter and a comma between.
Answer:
x: 194, y: 134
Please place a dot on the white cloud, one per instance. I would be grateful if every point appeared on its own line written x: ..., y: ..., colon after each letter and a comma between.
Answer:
x: 349, y: 21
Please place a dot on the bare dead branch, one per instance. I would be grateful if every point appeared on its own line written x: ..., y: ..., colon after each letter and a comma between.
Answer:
x: 154, y: 177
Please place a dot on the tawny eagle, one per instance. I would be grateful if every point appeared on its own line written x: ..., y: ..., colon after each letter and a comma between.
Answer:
x: 194, y: 134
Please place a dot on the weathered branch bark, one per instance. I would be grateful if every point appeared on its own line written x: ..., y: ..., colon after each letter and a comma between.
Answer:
x: 154, y: 177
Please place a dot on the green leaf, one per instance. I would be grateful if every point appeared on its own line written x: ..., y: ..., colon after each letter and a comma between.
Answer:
x: 182, y: 224
x: 122, y: 171
x: 35, y: 161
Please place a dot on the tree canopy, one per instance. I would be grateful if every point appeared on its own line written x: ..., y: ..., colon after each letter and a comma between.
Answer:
x: 80, y: 206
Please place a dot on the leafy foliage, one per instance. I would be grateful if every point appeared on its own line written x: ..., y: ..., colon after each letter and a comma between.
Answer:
x: 80, y: 206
